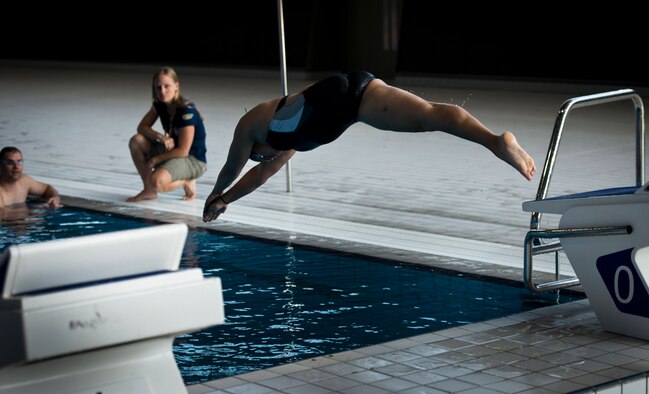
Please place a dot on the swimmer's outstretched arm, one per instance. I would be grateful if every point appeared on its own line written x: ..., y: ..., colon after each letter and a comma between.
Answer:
x: 251, y: 128
x: 217, y: 201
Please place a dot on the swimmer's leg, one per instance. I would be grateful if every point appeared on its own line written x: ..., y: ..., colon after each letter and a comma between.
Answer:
x: 389, y: 108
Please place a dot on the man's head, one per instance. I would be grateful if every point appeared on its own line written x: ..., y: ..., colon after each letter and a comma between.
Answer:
x: 11, y: 163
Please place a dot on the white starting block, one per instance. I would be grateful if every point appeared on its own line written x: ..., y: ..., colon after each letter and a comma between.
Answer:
x: 605, y: 236
x: 99, y: 313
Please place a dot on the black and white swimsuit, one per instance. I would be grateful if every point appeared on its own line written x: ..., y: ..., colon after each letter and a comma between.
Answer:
x: 320, y: 114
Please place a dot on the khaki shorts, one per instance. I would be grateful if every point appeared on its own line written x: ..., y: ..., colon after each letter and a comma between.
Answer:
x: 184, y: 168
x: 181, y: 167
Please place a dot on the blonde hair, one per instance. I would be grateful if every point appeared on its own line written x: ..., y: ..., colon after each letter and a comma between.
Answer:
x: 171, y: 73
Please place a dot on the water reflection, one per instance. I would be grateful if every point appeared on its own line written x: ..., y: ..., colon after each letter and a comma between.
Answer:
x: 291, y: 322
x: 18, y: 222
x: 37, y: 222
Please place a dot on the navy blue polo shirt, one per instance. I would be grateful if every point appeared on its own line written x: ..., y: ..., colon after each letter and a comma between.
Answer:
x: 185, y: 115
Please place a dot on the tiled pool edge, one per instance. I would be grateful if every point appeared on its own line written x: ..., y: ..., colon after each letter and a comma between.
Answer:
x: 459, y: 360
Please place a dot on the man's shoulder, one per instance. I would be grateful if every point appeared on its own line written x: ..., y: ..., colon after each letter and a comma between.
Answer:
x: 28, y: 183
x: 25, y: 179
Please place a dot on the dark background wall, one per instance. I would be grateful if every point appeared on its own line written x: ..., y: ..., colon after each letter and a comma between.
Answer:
x: 536, y: 41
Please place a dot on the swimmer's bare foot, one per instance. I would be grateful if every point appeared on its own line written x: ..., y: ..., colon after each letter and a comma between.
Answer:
x: 190, y: 190
x: 511, y: 152
x: 143, y: 195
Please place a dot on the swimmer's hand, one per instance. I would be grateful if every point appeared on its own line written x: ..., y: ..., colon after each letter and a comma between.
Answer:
x: 214, y: 207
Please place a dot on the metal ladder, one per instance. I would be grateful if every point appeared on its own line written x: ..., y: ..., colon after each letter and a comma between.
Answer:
x: 533, y: 245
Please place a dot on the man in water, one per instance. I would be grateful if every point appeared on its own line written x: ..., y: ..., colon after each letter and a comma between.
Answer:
x: 16, y: 186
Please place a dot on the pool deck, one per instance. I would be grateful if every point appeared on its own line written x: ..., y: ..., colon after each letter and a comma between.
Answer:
x: 429, y: 199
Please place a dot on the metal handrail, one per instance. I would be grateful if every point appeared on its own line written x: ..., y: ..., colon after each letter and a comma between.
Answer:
x: 586, y: 101
x: 531, y: 250
x: 535, y: 234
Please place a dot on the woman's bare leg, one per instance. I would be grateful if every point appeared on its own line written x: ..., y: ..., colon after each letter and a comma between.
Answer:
x: 190, y: 189
x: 139, y: 146
x: 188, y: 185
x: 389, y: 108
x: 159, y: 181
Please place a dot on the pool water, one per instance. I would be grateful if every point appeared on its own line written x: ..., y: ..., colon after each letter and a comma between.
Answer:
x: 286, y: 303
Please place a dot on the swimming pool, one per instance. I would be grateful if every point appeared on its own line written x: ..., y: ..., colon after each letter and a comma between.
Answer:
x: 286, y: 303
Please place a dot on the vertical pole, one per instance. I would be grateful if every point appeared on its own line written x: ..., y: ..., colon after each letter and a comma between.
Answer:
x: 639, y: 142
x: 282, y: 63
